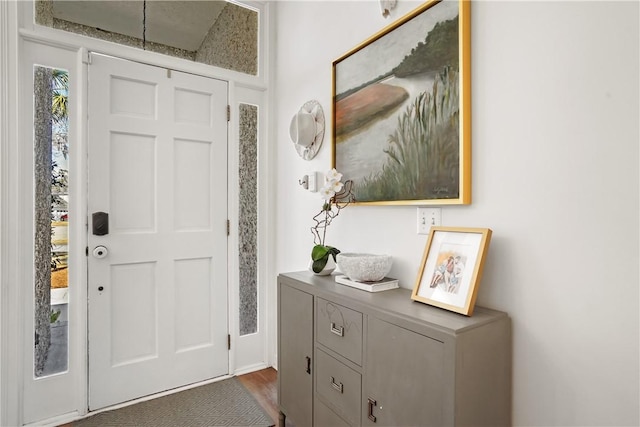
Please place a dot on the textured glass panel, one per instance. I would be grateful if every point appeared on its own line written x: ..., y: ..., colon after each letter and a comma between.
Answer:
x: 248, y: 234
x: 51, y: 221
x: 232, y: 41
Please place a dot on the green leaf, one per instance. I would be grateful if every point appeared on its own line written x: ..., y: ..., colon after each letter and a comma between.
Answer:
x: 334, y: 251
x: 320, y: 256
x: 318, y: 252
x: 319, y: 264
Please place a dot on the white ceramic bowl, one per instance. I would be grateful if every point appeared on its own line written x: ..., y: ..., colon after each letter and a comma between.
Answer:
x: 364, y: 267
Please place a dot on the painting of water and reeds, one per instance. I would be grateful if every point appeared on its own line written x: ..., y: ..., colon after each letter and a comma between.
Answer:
x: 401, y: 110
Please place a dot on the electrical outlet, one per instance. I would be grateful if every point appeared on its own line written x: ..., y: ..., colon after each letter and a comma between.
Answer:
x: 428, y: 217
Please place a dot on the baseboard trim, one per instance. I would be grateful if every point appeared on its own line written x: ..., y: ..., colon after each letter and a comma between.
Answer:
x: 251, y: 368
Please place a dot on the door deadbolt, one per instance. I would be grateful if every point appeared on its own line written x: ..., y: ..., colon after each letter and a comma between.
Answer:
x: 100, y: 222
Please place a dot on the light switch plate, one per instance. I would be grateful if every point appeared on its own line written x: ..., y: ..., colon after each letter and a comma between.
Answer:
x: 428, y: 217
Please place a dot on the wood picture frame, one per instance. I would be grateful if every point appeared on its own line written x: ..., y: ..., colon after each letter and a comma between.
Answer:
x: 402, y: 110
x: 451, y: 268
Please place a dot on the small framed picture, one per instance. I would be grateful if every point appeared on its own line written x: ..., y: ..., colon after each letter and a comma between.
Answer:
x: 451, y: 268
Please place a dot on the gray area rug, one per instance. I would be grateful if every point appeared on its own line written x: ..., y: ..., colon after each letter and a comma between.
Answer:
x: 224, y: 403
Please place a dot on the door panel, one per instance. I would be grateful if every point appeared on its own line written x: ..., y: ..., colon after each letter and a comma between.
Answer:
x: 193, y: 306
x: 133, y: 327
x: 132, y: 182
x: 158, y: 166
x: 192, y: 177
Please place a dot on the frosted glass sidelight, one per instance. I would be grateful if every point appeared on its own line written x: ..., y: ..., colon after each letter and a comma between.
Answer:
x: 248, y: 219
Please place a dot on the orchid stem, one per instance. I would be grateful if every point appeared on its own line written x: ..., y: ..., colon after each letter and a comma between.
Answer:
x: 324, y: 230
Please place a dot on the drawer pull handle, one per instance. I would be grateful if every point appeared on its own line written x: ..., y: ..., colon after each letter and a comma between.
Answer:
x: 338, y: 330
x: 372, y: 403
x: 308, y: 364
x: 336, y: 386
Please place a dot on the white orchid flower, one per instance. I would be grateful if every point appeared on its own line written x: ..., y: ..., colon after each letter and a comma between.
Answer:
x: 333, y: 175
x: 336, y: 186
x: 327, y: 192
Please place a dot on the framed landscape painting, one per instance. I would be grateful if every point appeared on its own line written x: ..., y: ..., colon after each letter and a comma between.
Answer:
x: 401, y: 110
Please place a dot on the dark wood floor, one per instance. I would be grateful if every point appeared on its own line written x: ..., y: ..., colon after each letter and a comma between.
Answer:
x: 263, y: 386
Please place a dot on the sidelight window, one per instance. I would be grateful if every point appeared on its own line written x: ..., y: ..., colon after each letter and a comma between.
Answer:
x: 51, y: 221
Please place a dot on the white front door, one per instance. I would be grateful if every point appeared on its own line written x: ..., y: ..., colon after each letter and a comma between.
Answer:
x: 158, y: 276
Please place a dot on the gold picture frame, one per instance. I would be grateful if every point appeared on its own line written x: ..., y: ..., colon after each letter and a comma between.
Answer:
x: 399, y: 143
x: 451, y: 268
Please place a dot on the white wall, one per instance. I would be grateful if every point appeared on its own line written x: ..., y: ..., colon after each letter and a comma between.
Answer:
x: 555, y: 174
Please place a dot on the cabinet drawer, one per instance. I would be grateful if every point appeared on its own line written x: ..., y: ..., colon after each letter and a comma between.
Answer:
x: 340, y: 329
x: 323, y: 416
x: 339, y: 386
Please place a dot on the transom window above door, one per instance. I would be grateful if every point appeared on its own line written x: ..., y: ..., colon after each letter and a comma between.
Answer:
x: 216, y: 32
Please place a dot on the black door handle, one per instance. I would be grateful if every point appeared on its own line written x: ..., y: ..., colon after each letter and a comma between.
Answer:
x: 371, y: 403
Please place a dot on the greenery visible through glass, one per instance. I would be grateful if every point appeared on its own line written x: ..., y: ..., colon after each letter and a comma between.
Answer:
x: 51, y: 220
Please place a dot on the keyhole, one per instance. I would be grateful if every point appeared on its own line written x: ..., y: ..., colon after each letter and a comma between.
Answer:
x: 101, y: 288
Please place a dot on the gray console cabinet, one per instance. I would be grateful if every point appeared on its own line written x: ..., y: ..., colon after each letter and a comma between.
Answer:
x: 295, y: 350
x: 347, y: 357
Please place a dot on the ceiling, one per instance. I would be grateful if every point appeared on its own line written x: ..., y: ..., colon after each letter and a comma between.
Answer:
x: 180, y: 24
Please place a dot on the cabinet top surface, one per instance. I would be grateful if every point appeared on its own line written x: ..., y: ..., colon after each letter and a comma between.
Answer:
x: 396, y: 302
